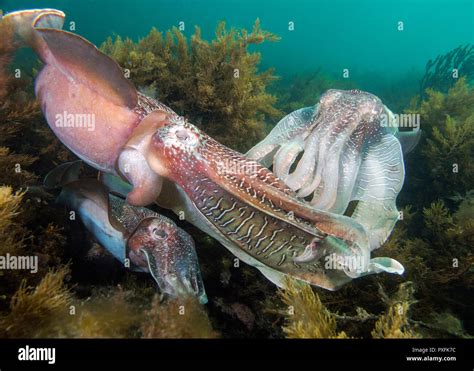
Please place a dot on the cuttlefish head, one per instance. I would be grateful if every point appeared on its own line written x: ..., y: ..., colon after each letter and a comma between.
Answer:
x: 177, y: 149
x: 168, y: 253
x: 346, y: 110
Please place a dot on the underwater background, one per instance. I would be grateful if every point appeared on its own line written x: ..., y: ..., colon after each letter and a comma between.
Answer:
x: 417, y: 56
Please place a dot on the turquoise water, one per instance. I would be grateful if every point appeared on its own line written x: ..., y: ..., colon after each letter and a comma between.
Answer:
x: 361, y: 35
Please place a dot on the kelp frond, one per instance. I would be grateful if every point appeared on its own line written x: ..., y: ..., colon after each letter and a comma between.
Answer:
x: 11, y: 232
x: 442, y: 161
x: 440, y: 72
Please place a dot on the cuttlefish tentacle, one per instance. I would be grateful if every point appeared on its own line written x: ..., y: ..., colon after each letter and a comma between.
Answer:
x: 295, y: 125
x: 152, y: 242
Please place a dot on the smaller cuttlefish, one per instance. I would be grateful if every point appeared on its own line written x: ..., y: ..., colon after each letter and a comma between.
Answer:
x: 151, y: 242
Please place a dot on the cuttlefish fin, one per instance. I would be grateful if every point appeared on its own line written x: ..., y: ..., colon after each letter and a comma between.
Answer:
x: 91, y: 189
x: 83, y: 62
x: 73, y: 55
x: 115, y: 184
x: 66, y: 176
x: 409, y: 139
x: 378, y: 183
x: 63, y: 174
x: 23, y: 23
x: 384, y: 264
x: 90, y: 200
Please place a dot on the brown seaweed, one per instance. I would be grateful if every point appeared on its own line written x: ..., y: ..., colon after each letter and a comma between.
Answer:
x: 439, y: 73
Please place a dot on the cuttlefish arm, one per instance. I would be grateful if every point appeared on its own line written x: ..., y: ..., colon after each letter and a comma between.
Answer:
x: 152, y: 242
x: 293, y: 127
x: 348, y: 156
x: 132, y: 164
x: 169, y: 197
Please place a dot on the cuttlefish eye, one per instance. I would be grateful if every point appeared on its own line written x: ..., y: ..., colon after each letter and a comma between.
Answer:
x: 159, y: 234
x: 183, y: 135
x: 176, y: 136
x: 186, y: 137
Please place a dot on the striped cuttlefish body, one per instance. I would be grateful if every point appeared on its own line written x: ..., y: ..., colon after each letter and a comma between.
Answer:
x: 248, y: 209
x: 273, y: 244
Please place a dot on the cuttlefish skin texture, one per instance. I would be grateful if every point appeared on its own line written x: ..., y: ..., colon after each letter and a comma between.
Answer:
x: 157, y: 245
x: 250, y: 210
x: 152, y: 242
x: 349, y: 153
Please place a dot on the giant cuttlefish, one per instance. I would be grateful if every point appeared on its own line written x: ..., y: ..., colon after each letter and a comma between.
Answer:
x: 350, y: 149
x: 251, y: 211
x: 139, y: 238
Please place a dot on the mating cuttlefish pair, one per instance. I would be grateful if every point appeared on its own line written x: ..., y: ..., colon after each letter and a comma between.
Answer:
x: 287, y: 222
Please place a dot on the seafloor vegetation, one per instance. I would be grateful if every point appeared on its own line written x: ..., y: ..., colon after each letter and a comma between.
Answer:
x: 81, y: 291
x: 442, y: 72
